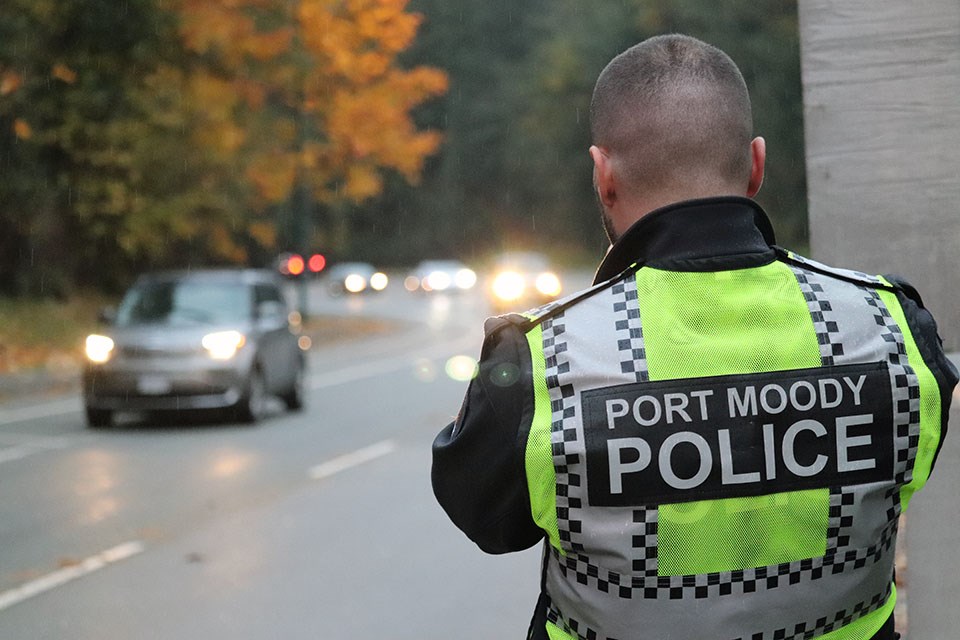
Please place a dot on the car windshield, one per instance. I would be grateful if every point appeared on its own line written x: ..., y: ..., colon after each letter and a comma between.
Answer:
x: 523, y: 261
x: 185, y: 302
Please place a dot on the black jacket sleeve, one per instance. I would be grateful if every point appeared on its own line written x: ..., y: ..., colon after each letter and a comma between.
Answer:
x: 478, y: 474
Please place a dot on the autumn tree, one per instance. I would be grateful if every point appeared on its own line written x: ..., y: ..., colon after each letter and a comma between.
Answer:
x: 66, y: 70
x: 178, y: 132
x: 324, y: 106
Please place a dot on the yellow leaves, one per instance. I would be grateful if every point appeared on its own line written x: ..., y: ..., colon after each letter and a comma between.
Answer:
x: 273, y: 175
x: 361, y: 182
x: 266, y: 46
x: 357, y: 39
x: 22, y: 128
x: 264, y: 233
x: 63, y: 72
x: 229, y: 30
x: 215, y: 101
x: 10, y: 81
x: 373, y: 122
x: 321, y: 97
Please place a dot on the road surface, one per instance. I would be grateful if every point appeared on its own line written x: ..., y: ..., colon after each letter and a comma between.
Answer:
x: 309, y: 525
x: 312, y: 524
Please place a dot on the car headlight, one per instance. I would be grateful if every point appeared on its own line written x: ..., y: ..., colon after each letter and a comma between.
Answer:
x: 548, y: 284
x: 223, y: 345
x: 465, y: 279
x: 439, y: 280
x: 354, y: 283
x: 508, y: 286
x: 378, y: 281
x: 99, y: 349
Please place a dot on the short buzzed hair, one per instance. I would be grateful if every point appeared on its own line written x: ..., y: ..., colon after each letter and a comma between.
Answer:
x: 673, y: 109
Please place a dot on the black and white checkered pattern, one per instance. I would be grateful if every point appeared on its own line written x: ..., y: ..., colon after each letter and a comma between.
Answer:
x: 633, y: 360
x: 572, y: 626
x: 827, y: 327
x: 577, y: 567
x: 841, y: 519
x: 633, y: 353
x: 803, y: 631
x: 821, y: 311
x: 906, y: 390
x: 563, y: 432
x: 645, y: 542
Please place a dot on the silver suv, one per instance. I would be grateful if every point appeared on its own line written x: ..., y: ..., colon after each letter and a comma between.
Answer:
x: 201, y: 339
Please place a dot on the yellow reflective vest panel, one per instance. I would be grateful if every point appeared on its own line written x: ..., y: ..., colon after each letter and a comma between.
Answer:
x: 726, y: 453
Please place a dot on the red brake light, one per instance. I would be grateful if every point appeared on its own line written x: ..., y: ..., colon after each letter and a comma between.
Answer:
x: 316, y: 263
x: 295, y: 265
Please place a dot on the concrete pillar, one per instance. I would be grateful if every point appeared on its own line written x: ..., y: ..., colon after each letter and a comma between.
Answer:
x: 882, y: 120
x: 881, y: 83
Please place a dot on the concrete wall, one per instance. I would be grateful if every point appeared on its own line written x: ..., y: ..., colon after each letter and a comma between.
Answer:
x: 882, y: 119
x: 882, y: 108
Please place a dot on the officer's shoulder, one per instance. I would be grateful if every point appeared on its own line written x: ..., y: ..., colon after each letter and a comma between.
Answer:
x: 527, y: 320
x: 889, y: 283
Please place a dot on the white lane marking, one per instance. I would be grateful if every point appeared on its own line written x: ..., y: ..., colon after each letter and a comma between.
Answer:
x: 46, y: 410
x: 386, y: 365
x: 68, y: 574
x: 17, y: 453
x: 19, y: 446
x: 353, y: 459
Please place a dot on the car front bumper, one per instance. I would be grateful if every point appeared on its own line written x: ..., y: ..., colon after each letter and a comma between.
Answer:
x: 162, y: 389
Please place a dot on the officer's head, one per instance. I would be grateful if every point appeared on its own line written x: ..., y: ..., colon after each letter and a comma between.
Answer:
x: 671, y: 120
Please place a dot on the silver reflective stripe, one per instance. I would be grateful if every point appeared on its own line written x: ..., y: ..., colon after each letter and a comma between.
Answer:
x: 751, y: 611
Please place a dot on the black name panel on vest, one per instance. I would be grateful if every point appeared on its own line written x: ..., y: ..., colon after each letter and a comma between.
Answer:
x: 739, y: 435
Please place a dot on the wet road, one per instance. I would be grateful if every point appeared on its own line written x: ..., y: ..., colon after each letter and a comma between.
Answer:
x: 316, y: 524
x: 312, y: 524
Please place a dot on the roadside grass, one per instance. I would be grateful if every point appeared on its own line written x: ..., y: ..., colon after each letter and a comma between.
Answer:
x: 40, y: 333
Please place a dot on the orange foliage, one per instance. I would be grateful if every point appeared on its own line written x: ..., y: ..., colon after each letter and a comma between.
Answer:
x: 10, y: 81
x: 332, y: 67
x: 63, y: 72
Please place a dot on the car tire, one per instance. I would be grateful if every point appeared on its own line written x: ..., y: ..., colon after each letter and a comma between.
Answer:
x: 99, y: 418
x: 252, y: 405
x: 293, y: 398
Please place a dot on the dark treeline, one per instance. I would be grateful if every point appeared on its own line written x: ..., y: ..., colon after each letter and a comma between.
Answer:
x: 514, y: 168
x: 122, y: 148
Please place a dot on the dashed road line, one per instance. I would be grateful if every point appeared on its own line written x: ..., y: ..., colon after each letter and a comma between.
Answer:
x: 16, y: 446
x: 373, y: 368
x: 61, y: 577
x: 45, y: 410
x: 352, y: 459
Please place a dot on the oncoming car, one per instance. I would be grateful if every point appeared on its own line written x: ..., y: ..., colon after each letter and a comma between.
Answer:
x: 521, y: 280
x: 355, y: 277
x: 439, y: 276
x: 202, y: 339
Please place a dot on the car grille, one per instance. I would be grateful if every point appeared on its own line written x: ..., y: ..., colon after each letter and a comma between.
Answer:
x: 148, y: 353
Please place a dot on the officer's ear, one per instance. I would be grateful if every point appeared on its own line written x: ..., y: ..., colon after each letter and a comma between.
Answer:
x: 603, y: 180
x: 758, y: 154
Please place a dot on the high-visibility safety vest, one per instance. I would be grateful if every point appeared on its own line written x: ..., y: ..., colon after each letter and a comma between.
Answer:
x: 725, y: 454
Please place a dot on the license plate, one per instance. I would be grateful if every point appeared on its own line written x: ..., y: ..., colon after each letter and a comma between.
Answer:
x: 153, y: 385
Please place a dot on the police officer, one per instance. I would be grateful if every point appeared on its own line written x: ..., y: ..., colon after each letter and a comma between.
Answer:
x: 716, y: 439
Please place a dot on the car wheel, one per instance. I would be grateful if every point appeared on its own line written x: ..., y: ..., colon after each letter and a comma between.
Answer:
x: 293, y: 398
x: 253, y: 404
x: 99, y: 418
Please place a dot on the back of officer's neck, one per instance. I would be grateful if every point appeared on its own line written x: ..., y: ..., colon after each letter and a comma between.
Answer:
x: 633, y: 208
